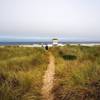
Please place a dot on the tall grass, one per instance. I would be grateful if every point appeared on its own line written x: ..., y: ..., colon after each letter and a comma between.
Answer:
x: 21, y: 72
x: 79, y: 78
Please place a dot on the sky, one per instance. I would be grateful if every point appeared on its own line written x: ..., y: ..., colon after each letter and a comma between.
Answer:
x: 70, y: 19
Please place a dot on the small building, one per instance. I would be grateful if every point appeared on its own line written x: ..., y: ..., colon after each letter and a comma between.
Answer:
x: 55, y: 41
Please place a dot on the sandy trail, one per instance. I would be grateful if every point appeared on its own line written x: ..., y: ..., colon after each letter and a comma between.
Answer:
x: 48, y: 79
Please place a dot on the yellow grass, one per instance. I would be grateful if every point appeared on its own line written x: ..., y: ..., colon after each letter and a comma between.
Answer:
x: 21, y: 72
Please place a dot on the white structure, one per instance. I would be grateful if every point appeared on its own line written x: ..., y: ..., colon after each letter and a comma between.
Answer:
x: 55, y: 41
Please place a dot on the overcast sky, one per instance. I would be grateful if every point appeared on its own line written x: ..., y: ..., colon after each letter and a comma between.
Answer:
x: 50, y: 18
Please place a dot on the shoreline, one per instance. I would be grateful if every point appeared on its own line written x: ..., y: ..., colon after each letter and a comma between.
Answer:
x: 51, y: 45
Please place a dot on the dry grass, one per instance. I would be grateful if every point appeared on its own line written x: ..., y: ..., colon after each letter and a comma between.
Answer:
x: 21, y: 72
x: 77, y: 73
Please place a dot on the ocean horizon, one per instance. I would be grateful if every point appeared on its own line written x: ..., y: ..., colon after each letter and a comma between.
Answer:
x: 46, y: 43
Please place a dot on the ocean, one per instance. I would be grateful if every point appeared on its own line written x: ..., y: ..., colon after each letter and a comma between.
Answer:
x: 46, y: 43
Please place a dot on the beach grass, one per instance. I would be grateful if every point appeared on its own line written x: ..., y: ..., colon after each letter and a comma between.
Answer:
x: 21, y: 72
x: 77, y: 72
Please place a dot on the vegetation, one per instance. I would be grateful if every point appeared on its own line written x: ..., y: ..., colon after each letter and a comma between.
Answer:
x: 77, y: 72
x: 21, y: 72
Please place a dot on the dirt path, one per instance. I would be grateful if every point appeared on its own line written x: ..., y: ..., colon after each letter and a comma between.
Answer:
x: 48, y: 79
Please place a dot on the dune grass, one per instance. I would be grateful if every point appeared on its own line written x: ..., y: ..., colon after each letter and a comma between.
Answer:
x: 77, y: 72
x: 21, y: 72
